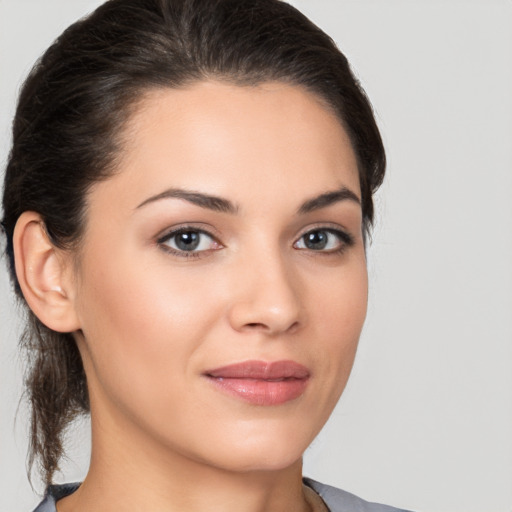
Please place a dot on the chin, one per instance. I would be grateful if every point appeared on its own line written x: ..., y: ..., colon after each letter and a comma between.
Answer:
x: 260, y: 462
x: 270, y: 450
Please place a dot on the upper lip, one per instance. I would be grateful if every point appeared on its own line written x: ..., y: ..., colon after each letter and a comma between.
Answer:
x: 260, y: 370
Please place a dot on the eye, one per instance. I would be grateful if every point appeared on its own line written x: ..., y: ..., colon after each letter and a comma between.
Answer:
x: 325, y: 240
x: 188, y: 242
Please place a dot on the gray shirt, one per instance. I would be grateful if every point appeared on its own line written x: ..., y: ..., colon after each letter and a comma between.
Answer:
x: 335, y: 499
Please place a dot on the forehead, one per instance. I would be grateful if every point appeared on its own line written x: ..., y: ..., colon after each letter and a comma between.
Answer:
x: 272, y: 140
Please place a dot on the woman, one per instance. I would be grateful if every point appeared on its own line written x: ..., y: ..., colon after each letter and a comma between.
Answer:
x: 186, y: 204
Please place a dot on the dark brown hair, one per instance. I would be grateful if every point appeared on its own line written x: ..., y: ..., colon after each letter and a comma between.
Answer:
x: 76, y: 100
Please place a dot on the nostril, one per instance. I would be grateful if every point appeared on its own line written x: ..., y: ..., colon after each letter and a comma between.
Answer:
x: 293, y: 328
x: 264, y: 314
x: 262, y: 326
x: 255, y: 324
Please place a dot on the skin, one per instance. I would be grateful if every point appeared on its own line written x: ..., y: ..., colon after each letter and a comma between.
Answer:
x: 150, y: 322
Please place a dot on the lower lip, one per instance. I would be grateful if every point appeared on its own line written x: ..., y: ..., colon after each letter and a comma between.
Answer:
x: 262, y: 392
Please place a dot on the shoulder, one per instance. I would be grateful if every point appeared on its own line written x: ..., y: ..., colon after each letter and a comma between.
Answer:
x: 342, y: 501
x: 53, y: 494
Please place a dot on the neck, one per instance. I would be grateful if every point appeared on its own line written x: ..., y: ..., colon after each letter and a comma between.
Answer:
x: 131, y: 472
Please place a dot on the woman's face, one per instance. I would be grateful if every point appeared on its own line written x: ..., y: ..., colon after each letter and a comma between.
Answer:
x: 221, y: 286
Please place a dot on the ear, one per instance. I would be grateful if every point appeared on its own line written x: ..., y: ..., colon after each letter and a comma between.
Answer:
x: 45, y: 274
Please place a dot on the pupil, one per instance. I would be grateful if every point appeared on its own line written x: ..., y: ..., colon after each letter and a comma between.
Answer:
x: 187, y: 241
x: 316, y: 240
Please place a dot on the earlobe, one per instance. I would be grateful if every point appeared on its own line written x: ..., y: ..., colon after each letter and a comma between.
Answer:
x: 43, y: 274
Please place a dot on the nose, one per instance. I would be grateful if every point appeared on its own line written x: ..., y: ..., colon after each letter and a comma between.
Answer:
x: 266, y: 298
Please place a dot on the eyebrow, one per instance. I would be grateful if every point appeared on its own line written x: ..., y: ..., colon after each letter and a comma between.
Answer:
x: 222, y: 205
x: 217, y: 204
x: 327, y: 199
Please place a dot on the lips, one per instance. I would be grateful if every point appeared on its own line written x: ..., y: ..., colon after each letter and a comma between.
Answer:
x: 261, y: 382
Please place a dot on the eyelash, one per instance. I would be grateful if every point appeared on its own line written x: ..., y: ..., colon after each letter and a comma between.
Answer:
x: 345, y: 240
x: 162, y: 242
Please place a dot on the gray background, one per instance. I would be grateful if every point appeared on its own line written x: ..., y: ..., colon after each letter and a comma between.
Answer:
x: 426, y: 421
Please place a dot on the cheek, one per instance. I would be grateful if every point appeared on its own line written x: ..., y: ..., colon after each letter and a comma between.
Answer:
x: 133, y: 299
x: 339, y: 313
x: 340, y: 301
x: 142, y: 324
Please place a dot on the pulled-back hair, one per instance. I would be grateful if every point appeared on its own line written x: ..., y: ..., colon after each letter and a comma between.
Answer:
x: 70, y: 117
